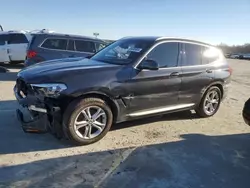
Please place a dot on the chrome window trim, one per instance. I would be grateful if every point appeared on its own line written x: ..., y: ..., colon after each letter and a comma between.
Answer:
x: 40, y: 46
x: 168, y: 41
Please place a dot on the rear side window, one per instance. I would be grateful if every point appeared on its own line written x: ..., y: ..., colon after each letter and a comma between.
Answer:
x: 17, y: 38
x: 166, y: 54
x: 3, y: 39
x: 209, y: 55
x: 85, y: 46
x: 56, y: 44
x: 193, y: 54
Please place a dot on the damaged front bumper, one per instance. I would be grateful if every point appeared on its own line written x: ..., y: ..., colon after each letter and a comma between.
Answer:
x: 37, y: 117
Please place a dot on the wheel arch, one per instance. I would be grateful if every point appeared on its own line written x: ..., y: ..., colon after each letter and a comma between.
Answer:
x: 108, y: 99
x: 218, y: 84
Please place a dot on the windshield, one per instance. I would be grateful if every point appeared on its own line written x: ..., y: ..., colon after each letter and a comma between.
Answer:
x: 123, y: 51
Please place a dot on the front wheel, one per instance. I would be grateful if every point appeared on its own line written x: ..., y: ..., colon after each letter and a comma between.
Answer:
x: 87, y: 120
x: 210, y: 102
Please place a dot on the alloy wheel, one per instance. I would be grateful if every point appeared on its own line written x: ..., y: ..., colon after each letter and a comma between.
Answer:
x: 90, y: 122
x: 211, y: 102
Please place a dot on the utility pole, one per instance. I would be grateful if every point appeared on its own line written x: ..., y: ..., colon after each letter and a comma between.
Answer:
x: 96, y: 34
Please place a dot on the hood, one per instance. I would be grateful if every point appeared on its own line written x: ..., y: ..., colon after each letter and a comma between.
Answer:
x: 60, y: 67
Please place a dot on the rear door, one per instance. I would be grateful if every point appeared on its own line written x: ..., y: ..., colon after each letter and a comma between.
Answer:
x: 197, y: 73
x: 53, y: 48
x: 17, y: 46
x: 4, y: 57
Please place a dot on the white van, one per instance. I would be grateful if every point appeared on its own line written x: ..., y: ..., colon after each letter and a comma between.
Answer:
x: 13, y: 46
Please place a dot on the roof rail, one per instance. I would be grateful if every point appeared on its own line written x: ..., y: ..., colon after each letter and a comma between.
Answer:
x: 41, y: 31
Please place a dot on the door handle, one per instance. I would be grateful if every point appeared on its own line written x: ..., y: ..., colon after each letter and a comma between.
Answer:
x: 72, y: 56
x: 209, y: 71
x: 174, y: 74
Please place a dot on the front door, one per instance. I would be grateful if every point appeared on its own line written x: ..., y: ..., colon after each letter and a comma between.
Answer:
x: 4, y: 57
x: 153, y: 90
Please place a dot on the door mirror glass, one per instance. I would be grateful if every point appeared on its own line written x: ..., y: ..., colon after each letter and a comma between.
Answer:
x: 149, y: 64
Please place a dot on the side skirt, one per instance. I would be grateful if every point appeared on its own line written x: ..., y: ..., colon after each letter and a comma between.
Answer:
x: 160, y: 110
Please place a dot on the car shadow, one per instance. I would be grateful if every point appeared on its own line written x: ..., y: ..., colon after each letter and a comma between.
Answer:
x: 9, y: 72
x: 12, y: 66
x: 12, y: 133
x: 8, y: 76
x: 195, y: 161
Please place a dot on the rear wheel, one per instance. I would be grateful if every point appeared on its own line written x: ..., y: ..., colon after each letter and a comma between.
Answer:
x: 87, y: 120
x: 210, y: 102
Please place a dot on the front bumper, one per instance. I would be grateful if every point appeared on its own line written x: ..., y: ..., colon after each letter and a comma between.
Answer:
x: 37, y: 117
x: 31, y: 120
x: 37, y: 124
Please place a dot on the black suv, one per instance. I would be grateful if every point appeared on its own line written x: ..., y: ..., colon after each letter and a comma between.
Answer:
x: 50, y: 46
x: 131, y: 78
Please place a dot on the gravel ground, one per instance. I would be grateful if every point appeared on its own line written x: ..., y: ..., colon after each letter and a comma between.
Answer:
x: 177, y: 150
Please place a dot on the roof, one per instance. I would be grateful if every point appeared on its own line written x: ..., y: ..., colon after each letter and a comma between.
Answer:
x: 14, y: 31
x: 69, y: 35
x: 160, y: 38
x: 50, y: 33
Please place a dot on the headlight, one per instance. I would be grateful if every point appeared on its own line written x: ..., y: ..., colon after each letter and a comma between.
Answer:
x: 49, y: 90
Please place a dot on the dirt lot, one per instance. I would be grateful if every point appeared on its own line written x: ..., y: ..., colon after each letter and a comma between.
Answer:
x: 177, y: 150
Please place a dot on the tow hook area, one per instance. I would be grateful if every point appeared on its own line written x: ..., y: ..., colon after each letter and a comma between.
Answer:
x: 36, y: 124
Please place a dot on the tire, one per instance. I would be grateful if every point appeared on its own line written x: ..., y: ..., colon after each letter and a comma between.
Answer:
x: 74, y: 112
x: 201, y: 110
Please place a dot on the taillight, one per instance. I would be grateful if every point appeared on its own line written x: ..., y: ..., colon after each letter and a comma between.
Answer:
x: 31, y: 54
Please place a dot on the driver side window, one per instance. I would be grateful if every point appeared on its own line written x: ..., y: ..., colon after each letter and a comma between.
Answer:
x: 165, y: 54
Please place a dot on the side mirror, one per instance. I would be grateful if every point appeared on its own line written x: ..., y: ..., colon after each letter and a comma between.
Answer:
x: 149, y: 64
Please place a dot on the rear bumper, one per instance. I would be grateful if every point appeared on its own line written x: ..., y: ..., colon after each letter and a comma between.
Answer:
x: 225, y: 91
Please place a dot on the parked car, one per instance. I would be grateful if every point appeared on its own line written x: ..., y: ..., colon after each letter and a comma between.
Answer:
x: 50, y: 46
x: 246, y: 56
x: 227, y: 55
x: 13, y: 46
x: 132, y: 78
x: 235, y: 56
x: 246, y: 112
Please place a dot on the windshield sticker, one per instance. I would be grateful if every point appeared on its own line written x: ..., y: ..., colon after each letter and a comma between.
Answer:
x: 134, y: 50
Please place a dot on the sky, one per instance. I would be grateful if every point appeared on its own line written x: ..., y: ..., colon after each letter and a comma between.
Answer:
x: 212, y: 21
